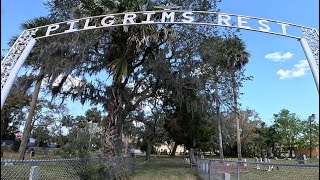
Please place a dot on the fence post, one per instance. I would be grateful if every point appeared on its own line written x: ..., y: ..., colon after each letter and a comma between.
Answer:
x: 210, y: 177
x: 238, y: 170
x: 34, y: 173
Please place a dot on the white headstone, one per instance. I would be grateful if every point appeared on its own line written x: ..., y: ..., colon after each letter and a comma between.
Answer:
x: 207, y: 167
x: 257, y: 165
x: 275, y: 158
x: 269, y: 166
x: 245, y: 164
x: 34, y: 173
x: 304, y: 157
x: 8, y: 164
x: 226, y: 176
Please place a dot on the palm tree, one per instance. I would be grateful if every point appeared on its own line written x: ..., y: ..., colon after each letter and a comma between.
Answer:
x: 224, y: 60
x: 210, y: 51
x: 237, y: 58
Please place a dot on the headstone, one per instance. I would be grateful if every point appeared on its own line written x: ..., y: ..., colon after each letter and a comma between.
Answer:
x: 225, y: 176
x: 304, y: 157
x: 31, y: 154
x: 202, y: 156
x: 269, y: 166
x: 228, y: 164
x: 260, y: 159
x: 275, y: 158
x: 34, y: 173
x: 286, y: 155
x: 207, y: 167
x: 257, y: 165
x: 245, y: 163
x: 187, y: 160
x: 8, y: 164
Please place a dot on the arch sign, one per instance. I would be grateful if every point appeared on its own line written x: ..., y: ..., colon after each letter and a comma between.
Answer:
x: 11, y: 64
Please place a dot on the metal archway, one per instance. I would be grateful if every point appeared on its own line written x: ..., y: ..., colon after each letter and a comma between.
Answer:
x: 13, y: 61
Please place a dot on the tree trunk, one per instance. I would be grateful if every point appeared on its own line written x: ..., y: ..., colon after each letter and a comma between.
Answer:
x: 148, y: 153
x: 173, y: 152
x: 113, y: 130
x: 191, y: 156
x: 118, y: 142
x: 4, y: 123
x: 28, y: 125
x: 90, y: 137
x: 109, y: 136
x: 235, y: 99
x: 269, y: 151
x: 216, y: 96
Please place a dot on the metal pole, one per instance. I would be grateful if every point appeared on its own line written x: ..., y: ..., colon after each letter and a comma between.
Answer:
x: 238, y: 170
x: 311, y: 119
x: 14, y: 72
x: 311, y: 61
x: 310, y: 139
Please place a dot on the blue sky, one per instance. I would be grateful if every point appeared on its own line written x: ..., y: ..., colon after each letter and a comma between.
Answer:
x: 282, y: 79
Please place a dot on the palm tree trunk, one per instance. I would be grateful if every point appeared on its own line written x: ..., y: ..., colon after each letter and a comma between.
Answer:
x: 108, y: 144
x: 113, y: 130
x: 219, y: 120
x: 28, y: 126
x: 235, y: 99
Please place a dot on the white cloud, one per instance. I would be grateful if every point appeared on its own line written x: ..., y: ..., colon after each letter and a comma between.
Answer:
x: 298, y: 70
x: 278, y: 56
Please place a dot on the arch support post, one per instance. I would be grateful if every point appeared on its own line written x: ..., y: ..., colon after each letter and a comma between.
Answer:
x: 311, y: 60
x: 13, y: 62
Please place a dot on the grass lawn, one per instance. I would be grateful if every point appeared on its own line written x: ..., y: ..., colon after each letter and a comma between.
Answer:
x: 10, y: 154
x: 163, y: 168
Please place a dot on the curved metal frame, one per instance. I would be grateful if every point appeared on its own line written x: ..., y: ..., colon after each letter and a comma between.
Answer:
x: 20, y: 50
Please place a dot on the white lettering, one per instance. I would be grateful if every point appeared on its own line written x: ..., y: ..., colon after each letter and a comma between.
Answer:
x: 266, y: 27
x: 52, y: 28
x: 148, y: 20
x: 187, y: 19
x: 129, y: 17
x: 220, y: 19
x: 87, y: 26
x: 71, y: 28
x: 283, y: 27
x: 110, y: 21
x: 241, y: 22
x: 165, y: 15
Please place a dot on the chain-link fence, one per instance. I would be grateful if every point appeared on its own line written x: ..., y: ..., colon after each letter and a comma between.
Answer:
x: 68, y: 169
x: 235, y: 170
